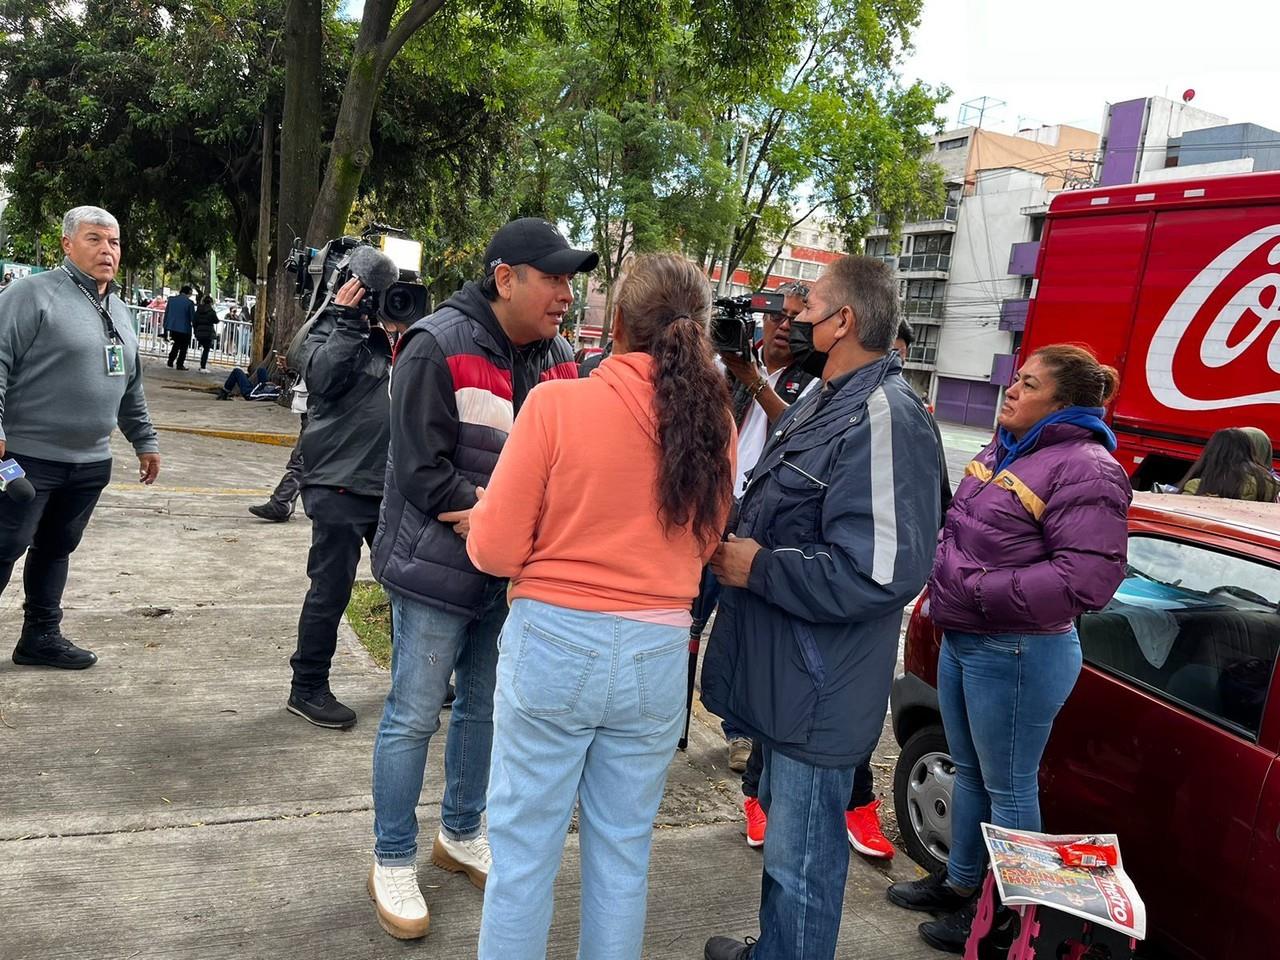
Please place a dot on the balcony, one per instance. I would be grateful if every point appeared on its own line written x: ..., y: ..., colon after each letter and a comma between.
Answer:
x: 1003, y: 367
x: 1022, y: 258
x: 1013, y: 315
x: 925, y: 263
x: 923, y: 308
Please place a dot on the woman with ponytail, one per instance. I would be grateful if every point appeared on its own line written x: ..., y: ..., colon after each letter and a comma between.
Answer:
x: 611, y: 494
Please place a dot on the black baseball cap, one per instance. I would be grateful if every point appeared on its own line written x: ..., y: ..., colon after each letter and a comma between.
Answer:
x: 538, y: 243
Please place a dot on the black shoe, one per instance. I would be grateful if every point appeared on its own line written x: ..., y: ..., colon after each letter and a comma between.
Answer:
x: 450, y: 695
x: 52, y: 650
x: 180, y: 367
x: 223, y: 395
x: 726, y: 948
x: 324, y: 710
x: 275, y: 512
x: 931, y: 894
x: 950, y: 932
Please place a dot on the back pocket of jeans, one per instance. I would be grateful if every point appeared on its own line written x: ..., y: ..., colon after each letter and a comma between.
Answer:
x: 550, y: 672
x: 663, y: 675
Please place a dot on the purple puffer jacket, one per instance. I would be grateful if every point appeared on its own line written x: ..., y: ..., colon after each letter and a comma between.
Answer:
x: 1030, y: 549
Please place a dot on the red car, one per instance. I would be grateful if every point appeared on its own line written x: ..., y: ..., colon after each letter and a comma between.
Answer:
x: 1170, y: 737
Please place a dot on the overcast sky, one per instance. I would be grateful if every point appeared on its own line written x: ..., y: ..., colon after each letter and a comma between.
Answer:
x: 1063, y: 62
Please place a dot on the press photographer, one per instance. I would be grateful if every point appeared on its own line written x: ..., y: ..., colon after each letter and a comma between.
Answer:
x: 345, y: 361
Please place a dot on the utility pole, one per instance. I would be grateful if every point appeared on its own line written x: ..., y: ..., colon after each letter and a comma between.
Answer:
x: 264, y: 239
x: 722, y: 286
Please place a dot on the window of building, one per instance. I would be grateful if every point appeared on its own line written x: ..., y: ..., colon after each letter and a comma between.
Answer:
x: 924, y: 349
x: 878, y: 247
x: 809, y: 270
x: 954, y: 144
x: 1037, y: 227
x: 1193, y: 626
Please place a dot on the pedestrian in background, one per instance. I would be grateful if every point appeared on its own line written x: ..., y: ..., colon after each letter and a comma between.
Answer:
x: 1233, y: 465
x: 204, y: 327
x: 591, y: 677
x: 179, y: 314
x: 1036, y: 535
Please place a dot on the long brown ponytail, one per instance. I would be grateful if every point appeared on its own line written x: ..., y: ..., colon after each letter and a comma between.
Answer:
x: 665, y: 302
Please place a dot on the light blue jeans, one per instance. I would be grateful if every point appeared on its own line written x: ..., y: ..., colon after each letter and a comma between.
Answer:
x: 999, y: 694
x: 429, y: 644
x: 588, y: 705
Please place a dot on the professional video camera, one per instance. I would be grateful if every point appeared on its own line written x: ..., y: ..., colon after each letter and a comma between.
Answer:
x: 386, y: 263
x: 733, y: 329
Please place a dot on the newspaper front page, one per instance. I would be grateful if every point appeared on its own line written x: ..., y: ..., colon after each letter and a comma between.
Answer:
x: 1029, y: 870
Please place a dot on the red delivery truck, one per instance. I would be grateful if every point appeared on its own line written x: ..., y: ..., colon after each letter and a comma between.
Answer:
x: 1176, y: 285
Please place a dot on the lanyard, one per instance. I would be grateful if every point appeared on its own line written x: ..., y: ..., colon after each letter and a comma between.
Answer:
x: 108, y: 326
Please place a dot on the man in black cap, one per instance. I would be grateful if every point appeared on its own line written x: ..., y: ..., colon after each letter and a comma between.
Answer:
x: 460, y: 377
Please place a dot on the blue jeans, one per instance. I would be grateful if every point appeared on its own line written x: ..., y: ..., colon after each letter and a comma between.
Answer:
x: 806, y: 858
x: 589, y: 705
x: 999, y: 694
x: 429, y: 644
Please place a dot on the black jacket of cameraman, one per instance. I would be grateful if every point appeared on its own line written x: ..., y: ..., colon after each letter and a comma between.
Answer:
x: 348, y: 404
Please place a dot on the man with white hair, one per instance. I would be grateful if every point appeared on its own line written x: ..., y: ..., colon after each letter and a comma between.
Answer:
x: 69, y: 374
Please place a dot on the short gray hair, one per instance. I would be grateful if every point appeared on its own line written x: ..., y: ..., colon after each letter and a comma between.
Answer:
x: 867, y: 286
x: 76, y: 216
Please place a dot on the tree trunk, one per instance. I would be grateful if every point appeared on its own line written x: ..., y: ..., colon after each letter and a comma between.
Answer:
x: 264, y: 240
x: 299, y: 151
x: 350, y: 153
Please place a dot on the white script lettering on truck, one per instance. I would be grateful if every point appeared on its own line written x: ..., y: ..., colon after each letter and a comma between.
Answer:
x: 1259, y: 298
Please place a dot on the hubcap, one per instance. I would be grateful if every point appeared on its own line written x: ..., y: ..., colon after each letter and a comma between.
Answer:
x: 929, y: 790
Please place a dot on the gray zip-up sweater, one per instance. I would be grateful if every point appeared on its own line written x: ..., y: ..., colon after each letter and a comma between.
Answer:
x: 56, y: 400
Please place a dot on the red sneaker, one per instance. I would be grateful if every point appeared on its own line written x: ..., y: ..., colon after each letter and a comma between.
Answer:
x: 863, y: 825
x: 756, y: 822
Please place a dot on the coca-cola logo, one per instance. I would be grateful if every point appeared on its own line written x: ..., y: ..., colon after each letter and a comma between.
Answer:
x: 1244, y: 289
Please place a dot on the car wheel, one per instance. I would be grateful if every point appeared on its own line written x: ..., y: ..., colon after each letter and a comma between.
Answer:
x: 923, y: 784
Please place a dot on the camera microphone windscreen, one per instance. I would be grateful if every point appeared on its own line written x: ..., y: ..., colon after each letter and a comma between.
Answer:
x: 374, y: 268
x: 14, y: 482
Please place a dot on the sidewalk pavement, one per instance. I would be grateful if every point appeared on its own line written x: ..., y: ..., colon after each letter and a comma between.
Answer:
x: 163, y: 804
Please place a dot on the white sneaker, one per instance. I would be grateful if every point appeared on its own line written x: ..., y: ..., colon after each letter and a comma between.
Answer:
x: 402, y: 911
x: 472, y: 857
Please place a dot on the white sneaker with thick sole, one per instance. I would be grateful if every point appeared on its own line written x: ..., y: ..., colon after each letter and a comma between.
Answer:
x: 402, y: 911
x: 472, y: 857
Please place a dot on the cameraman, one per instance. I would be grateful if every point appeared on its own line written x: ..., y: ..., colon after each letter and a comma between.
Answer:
x: 344, y: 456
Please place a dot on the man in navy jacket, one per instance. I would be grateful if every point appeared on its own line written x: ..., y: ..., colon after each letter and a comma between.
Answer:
x: 835, y: 535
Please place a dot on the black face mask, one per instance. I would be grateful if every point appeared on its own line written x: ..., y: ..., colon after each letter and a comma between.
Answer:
x: 800, y: 339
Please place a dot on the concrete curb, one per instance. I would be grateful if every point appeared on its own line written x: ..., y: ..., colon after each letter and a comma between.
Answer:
x: 247, y: 436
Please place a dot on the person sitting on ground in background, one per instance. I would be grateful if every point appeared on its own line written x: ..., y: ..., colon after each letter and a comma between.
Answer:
x: 1230, y: 468
x: 593, y: 715
x: 204, y: 327
x: 1037, y: 534
x: 259, y: 387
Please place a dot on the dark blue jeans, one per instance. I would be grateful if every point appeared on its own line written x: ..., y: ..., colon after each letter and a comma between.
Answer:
x: 238, y: 379
x: 806, y: 858
x: 999, y: 695
x: 48, y: 530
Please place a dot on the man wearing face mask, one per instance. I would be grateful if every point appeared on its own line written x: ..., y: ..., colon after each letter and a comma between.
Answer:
x: 835, y: 535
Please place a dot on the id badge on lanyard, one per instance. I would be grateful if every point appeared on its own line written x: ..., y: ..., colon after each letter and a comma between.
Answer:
x: 115, y: 359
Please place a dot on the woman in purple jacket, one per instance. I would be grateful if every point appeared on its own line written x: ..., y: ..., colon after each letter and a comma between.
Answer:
x: 1035, y: 536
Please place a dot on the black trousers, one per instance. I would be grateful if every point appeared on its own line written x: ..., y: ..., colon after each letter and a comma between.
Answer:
x: 48, y: 530
x: 340, y: 523
x: 205, y: 346
x: 181, y: 343
x: 864, y: 785
x: 290, y: 484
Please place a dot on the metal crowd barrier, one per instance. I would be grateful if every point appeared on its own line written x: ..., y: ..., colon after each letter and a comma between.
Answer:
x: 232, y: 347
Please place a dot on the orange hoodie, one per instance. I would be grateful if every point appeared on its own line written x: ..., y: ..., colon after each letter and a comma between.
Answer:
x: 571, y: 513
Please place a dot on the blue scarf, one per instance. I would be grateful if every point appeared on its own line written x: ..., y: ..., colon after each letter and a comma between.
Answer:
x: 1088, y: 417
